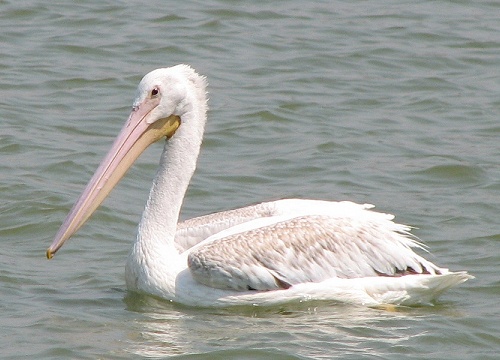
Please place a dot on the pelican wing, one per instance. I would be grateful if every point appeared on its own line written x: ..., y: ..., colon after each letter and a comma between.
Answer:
x: 307, y: 249
x: 192, y: 231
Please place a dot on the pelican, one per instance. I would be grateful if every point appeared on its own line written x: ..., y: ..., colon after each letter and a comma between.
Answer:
x: 289, y: 250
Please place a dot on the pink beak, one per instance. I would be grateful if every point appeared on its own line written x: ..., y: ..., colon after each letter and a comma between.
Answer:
x: 139, y: 132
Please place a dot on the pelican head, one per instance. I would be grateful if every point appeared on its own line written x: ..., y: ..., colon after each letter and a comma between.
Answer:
x: 157, y: 111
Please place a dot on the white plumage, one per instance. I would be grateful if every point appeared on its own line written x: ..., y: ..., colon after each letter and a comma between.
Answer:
x: 270, y: 253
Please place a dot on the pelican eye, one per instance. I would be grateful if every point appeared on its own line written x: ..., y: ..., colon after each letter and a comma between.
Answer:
x: 155, y: 92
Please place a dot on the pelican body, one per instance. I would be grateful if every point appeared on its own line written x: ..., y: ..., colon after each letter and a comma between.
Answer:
x: 270, y: 253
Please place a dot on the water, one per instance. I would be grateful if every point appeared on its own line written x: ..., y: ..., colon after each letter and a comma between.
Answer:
x: 394, y: 104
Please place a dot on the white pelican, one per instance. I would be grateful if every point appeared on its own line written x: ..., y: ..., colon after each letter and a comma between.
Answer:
x: 270, y: 253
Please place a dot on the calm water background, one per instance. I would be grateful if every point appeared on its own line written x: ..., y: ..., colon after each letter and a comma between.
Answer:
x: 394, y: 103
